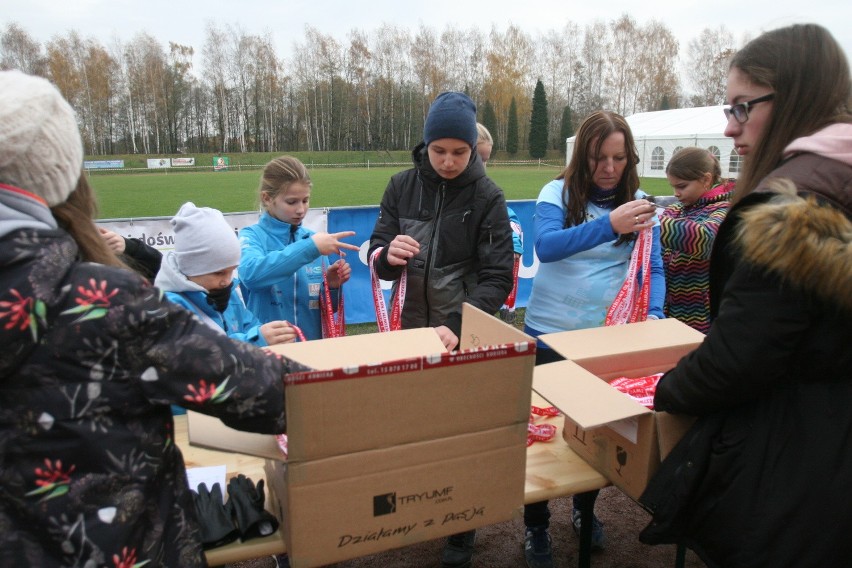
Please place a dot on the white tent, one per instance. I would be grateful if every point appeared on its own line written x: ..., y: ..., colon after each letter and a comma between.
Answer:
x: 659, y: 134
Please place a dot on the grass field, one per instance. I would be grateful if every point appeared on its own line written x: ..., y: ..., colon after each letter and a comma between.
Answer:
x: 161, y: 194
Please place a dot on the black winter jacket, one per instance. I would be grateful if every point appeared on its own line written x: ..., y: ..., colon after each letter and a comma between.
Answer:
x: 466, y: 251
x: 763, y: 478
x: 92, y: 359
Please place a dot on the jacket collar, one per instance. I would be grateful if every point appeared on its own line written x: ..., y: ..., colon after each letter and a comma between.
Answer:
x: 804, y: 242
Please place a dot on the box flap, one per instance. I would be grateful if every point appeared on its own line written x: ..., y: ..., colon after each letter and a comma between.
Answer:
x: 364, y: 349
x: 480, y: 329
x: 654, y: 345
x: 586, y: 399
x: 210, y: 432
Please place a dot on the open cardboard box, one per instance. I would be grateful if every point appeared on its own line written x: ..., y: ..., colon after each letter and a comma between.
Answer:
x: 392, y: 440
x: 619, y: 437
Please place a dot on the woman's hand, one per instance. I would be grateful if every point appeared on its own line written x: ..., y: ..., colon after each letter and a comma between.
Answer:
x: 338, y: 273
x: 633, y: 216
x: 402, y: 248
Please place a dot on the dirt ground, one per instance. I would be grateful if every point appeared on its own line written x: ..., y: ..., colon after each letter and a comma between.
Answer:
x: 499, y: 546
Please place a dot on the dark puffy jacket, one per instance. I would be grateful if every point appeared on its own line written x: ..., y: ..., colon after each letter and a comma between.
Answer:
x: 92, y: 359
x: 462, y: 226
x: 763, y: 478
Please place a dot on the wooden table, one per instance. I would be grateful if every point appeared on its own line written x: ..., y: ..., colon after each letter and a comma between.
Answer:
x: 553, y: 470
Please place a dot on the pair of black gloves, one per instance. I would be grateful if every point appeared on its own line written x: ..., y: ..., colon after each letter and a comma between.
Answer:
x: 242, y: 516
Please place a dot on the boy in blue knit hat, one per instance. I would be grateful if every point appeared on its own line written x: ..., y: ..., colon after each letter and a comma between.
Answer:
x: 443, y: 223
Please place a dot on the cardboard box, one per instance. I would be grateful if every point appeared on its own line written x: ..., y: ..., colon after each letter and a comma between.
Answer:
x: 622, y: 439
x: 393, y: 441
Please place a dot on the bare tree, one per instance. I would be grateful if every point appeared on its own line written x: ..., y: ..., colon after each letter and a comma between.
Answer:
x: 656, y: 68
x: 557, y: 53
x: 215, y: 58
x: 19, y: 51
x: 707, y: 65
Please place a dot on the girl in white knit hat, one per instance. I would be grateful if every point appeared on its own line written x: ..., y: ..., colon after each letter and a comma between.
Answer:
x: 199, y: 275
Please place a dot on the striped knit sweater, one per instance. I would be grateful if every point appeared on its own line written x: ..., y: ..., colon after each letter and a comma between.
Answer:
x: 686, y: 236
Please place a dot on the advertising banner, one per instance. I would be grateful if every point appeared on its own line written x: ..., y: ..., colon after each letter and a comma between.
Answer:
x: 177, y: 162
x: 157, y: 232
x: 221, y: 163
x: 103, y: 164
x: 159, y: 163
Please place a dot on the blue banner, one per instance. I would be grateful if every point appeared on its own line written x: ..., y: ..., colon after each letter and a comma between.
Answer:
x: 358, y: 291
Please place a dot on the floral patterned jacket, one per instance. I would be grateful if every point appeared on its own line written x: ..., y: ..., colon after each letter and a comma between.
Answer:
x: 91, y: 359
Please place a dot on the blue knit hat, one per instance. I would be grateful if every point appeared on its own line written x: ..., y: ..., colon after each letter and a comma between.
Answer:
x: 452, y: 115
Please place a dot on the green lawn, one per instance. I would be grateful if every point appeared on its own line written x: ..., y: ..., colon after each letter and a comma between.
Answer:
x: 162, y: 193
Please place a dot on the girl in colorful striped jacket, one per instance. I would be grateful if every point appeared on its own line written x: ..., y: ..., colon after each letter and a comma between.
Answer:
x: 687, y: 231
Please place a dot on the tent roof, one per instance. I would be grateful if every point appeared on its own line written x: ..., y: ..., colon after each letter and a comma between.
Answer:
x: 680, y: 122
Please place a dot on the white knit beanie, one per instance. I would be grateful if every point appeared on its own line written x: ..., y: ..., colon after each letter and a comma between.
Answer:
x: 40, y: 146
x: 204, y: 242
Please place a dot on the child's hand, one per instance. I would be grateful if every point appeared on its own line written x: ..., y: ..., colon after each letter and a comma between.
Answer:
x: 278, y: 331
x: 113, y: 240
x: 338, y: 273
x: 448, y: 338
x: 330, y: 243
x: 400, y: 249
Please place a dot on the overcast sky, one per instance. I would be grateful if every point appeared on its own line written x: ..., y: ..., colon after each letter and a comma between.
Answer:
x: 184, y: 21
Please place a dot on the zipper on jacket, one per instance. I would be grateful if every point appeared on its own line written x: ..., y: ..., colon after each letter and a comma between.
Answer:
x: 430, y: 257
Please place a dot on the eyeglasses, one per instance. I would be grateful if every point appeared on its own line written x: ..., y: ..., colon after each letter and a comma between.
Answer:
x: 740, y: 110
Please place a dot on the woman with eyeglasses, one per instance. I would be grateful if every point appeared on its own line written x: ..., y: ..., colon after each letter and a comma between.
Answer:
x: 763, y: 477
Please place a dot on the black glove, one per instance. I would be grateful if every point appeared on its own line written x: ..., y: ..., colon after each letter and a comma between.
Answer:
x: 214, y: 517
x: 247, y: 502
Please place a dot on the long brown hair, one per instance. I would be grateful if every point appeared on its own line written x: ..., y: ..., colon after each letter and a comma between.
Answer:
x: 808, y: 72
x: 76, y: 215
x: 591, y: 135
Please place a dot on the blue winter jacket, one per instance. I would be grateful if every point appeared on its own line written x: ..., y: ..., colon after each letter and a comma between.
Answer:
x: 236, y: 321
x: 281, y: 274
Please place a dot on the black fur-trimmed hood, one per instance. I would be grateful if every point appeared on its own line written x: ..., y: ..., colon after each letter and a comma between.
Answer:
x: 806, y: 242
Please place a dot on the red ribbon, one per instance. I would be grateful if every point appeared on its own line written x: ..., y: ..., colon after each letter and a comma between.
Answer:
x: 299, y: 334
x: 395, y: 321
x: 510, y: 301
x: 541, y: 432
x: 631, y: 302
x: 331, y: 327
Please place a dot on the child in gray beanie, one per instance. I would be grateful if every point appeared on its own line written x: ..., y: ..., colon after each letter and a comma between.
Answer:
x: 199, y: 275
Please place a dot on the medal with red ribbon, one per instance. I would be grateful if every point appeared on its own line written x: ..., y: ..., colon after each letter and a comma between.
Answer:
x: 395, y: 321
x: 631, y: 301
x: 510, y: 301
x: 331, y: 326
x: 541, y: 432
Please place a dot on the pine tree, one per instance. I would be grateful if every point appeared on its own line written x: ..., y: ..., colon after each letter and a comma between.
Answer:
x: 566, y: 128
x: 489, y: 120
x: 512, y: 129
x: 665, y: 104
x: 538, y: 122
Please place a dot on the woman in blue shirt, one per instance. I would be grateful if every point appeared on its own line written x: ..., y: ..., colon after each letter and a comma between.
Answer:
x: 586, y: 226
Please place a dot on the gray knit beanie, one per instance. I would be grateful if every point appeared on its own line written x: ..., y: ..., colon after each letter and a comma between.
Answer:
x: 204, y: 241
x: 40, y: 146
x: 452, y: 115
